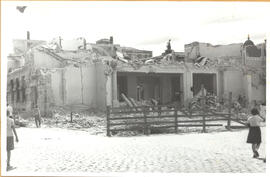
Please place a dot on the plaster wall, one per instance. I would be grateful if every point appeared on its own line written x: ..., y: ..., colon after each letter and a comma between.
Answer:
x: 233, y: 82
x: 43, y: 60
x: 258, y: 89
x: 207, y: 50
x: 259, y: 93
x: 254, y: 61
x: 56, y: 87
x: 100, y: 85
x: 80, y: 86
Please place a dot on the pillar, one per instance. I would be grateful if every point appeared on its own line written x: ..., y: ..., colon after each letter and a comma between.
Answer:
x: 115, y: 102
x: 220, y: 84
x: 188, y: 83
x: 109, y: 90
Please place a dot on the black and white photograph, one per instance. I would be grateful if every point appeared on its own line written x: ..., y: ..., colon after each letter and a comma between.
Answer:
x: 123, y: 88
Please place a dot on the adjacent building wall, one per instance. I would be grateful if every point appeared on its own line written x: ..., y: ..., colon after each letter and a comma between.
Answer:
x: 100, y: 85
x: 57, y: 89
x: 258, y: 93
x: 196, y: 49
x: 43, y: 60
x: 233, y: 82
x: 210, y: 51
x: 255, y: 61
x: 15, y: 62
x: 19, y: 103
x: 80, y: 85
x: 258, y: 88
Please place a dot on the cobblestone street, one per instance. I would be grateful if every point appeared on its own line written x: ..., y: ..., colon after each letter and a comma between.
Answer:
x: 59, y: 150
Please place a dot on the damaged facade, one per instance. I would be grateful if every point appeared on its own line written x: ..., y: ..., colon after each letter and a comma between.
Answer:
x: 237, y: 68
x: 77, y: 73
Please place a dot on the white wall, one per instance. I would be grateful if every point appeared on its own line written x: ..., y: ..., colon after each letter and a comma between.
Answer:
x: 43, y: 60
x: 56, y: 87
x: 210, y: 51
x: 100, y: 86
x: 81, y: 87
x: 233, y: 82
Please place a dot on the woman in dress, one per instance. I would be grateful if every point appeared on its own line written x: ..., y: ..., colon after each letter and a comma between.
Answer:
x: 254, y: 134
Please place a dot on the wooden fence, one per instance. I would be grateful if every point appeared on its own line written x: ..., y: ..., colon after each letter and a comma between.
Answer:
x: 150, y: 118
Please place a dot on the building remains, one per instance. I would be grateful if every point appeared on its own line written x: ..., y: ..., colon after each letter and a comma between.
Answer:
x: 76, y: 73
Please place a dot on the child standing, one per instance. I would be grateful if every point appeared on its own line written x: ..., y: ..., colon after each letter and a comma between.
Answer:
x: 10, y: 139
x: 254, y: 134
x: 37, y: 116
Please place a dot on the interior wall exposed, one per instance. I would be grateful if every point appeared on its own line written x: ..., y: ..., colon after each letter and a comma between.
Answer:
x: 207, y: 80
x: 165, y: 88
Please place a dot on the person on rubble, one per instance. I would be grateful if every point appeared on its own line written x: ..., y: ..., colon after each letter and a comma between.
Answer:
x: 245, y: 102
x: 37, y: 116
x: 240, y: 100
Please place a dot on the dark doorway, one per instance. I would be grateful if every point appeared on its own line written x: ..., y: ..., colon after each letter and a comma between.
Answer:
x: 34, y: 96
x: 121, y: 87
x: 17, y: 90
x: 12, y: 91
x: 149, y: 87
x: 208, y: 80
x: 176, y: 94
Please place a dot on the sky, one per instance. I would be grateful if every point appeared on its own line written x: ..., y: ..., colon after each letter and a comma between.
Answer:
x: 143, y: 25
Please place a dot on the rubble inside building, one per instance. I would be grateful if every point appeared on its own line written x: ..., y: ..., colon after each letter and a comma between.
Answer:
x: 91, y: 76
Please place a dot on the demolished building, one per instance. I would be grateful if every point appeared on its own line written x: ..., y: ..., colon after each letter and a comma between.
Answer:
x: 237, y: 68
x: 71, y: 73
x: 63, y: 73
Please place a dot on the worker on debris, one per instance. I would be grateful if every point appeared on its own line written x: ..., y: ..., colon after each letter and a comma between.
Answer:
x: 37, y: 116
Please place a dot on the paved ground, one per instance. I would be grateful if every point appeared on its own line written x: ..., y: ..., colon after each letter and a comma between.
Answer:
x: 59, y: 150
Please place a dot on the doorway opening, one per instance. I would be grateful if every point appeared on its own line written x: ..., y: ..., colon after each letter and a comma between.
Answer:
x: 209, y: 82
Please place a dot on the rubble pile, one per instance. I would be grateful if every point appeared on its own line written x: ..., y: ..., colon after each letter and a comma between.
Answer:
x: 87, y: 120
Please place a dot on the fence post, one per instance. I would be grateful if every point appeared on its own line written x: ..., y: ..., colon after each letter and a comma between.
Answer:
x: 71, y: 116
x: 175, y: 119
x: 189, y: 109
x: 203, y: 106
x: 108, y: 121
x: 145, y: 122
x: 230, y: 111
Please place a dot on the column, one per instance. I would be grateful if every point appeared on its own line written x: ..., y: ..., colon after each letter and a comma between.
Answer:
x: 115, y: 102
x: 188, y: 81
x: 109, y: 90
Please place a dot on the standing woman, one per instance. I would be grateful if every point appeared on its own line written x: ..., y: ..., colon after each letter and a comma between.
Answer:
x: 254, y: 134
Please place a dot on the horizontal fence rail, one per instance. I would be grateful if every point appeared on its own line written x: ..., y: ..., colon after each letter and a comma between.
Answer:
x: 147, y: 118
